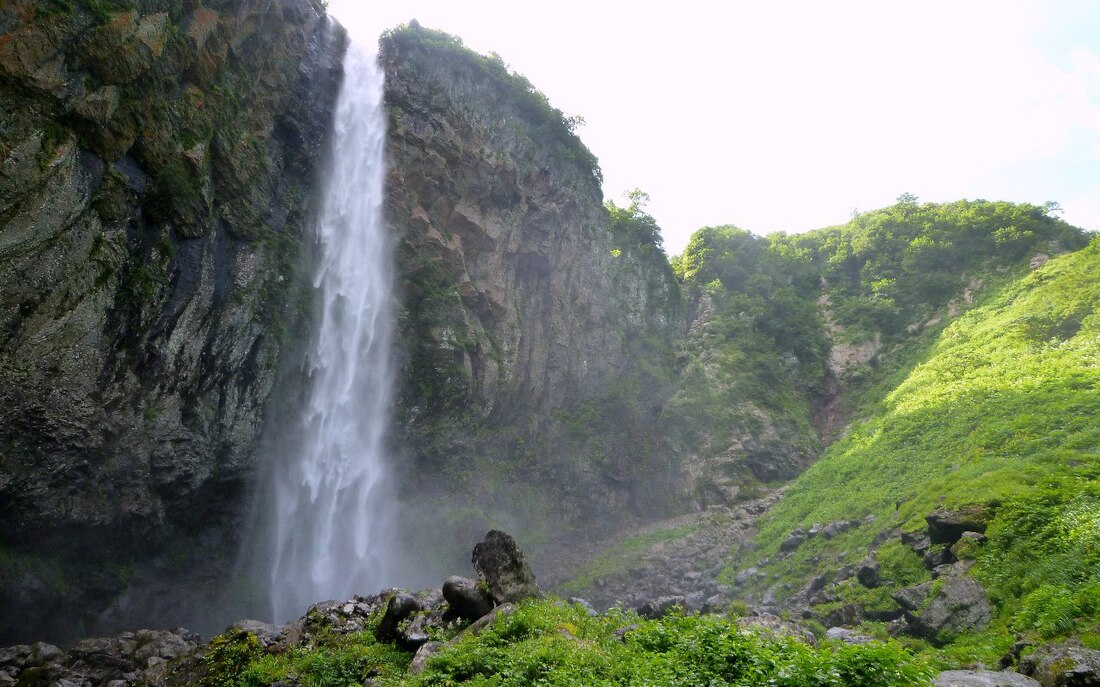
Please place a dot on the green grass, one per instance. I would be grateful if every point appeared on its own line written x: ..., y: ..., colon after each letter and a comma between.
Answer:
x: 1001, y: 412
x: 554, y: 643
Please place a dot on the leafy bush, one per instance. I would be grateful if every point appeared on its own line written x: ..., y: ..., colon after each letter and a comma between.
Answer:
x: 553, y: 643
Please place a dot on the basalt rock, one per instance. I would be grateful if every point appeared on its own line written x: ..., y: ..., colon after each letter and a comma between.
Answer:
x: 466, y: 599
x: 502, y: 565
x: 1063, y: 665
x: 155, y: 182
x: 519, y: 304
x: 948, y: 526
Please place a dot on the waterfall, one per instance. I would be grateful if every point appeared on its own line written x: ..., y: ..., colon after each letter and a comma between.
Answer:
x: 327, y: 499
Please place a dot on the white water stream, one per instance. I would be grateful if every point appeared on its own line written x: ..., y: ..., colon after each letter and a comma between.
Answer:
x: 329, y: 522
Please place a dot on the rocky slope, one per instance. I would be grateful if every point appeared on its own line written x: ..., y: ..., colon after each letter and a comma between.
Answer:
x: 155, y: 169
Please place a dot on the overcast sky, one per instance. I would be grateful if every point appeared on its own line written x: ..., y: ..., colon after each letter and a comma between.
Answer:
x: 790, y: 115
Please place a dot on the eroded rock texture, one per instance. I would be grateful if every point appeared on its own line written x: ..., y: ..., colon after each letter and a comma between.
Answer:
x: 519, y: 305
x: 155, y: 176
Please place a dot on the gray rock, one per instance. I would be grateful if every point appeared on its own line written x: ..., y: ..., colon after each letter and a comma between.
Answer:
x: 848, y: 614
x: 959, y: 605
x: 484, y: 621
x: 466, y: 598
x: 583, y: 603
x: 1063, y: 665
x: 867, y: 572
x: 918, y: 542
x: 772, y: 624
x: 911, y: 598
x: 938, y: 557
x: 420, y: 659
x: 400, y: 607
x: 834, y: 528
x: 982, y: 678
x: 661, y: 606
x: 947, y: 526
x: 843, y: 634
x: 793, y: 540
x: 500, y: 562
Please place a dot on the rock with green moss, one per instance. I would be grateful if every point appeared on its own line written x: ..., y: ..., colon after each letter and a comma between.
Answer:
x: 1063, y: 665
x: 148, y: 281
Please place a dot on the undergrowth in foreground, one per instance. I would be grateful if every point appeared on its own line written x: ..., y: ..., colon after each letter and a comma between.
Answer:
x: 551, y: 642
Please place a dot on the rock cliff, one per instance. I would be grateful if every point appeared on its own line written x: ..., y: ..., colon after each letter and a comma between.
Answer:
x: 520, y: 305
x: 155, y: 167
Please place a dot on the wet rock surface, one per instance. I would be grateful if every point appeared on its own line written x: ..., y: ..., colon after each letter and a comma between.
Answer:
x: 155, y: 180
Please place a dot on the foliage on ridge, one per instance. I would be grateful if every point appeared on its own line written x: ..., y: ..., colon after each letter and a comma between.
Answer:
x: 756, y: 359
x: 548, y: 127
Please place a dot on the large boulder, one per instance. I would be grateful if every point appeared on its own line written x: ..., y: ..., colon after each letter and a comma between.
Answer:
x: 502, y: 565
x: 940, y: 610
x: 1063, y: 665
x: 399, y: 608
x: 467, y: 599
x: 947, y: 526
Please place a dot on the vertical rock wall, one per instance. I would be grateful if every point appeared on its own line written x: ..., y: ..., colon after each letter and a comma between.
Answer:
x: 519, y: 315
x: 156, y: 162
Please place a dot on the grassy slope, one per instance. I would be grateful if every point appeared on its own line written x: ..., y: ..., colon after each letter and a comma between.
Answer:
x: 1003, y: 411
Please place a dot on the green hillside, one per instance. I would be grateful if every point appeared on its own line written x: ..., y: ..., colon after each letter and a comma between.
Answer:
x: 1000, y: 415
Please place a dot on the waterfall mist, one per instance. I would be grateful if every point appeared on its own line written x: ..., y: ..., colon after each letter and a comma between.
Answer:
x: 326, y: 504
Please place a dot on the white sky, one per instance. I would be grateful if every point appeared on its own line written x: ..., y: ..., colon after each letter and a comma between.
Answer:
x: 790, y: 115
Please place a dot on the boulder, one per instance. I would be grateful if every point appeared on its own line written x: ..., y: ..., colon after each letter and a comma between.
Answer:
x: 772, y: 624
x: 843, y: 634
x: 911, y: 598
x: 982, y: 678
x: 793, y: 540
x: 848, y: 614
x: 420, y: 659
x: 466, y: 598
x: 399, y: 608
x: 502, y: 565
x: 956, y: 605
x: 661, y: 606
x: 947, y: 526
x: 1063, y: 665
x: 488, y: 619
x: 867, y: 573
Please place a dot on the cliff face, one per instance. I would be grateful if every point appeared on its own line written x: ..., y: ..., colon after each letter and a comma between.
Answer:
x: 518, y: 307
x: 155, y: 170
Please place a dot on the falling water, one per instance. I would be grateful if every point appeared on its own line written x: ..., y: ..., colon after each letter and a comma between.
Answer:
x: 328, y: 516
